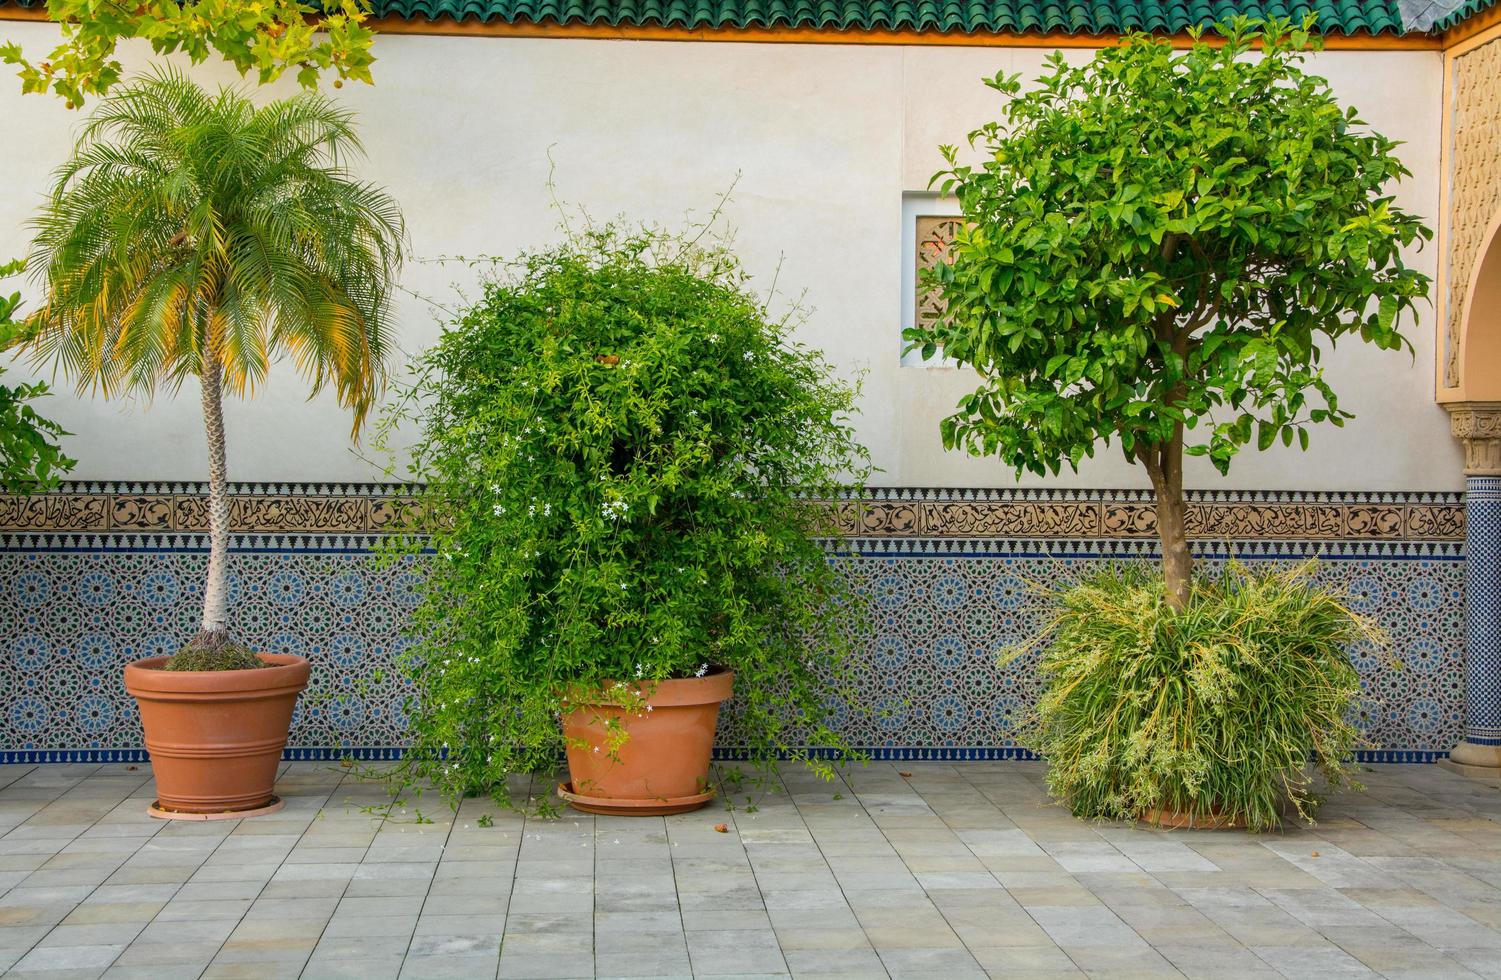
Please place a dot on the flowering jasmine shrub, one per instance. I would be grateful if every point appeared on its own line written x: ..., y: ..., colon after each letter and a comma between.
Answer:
x: 622, y: 454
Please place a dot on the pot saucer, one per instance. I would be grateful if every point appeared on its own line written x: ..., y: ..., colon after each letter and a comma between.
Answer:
x: 610, y: 806
x: 156, y: 810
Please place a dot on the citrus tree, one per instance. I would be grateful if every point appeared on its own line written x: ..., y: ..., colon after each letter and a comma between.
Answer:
x: 268, y: 37
x: 1160, y: 248
x: 196, y: 235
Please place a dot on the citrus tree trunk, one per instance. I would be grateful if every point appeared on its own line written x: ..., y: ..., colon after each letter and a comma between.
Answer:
x: 215, y: 628
x: 1165, y: 466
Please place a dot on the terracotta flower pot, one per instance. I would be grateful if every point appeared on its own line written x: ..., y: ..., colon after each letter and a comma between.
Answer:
x: 663, y: 766
x: 215, y: 736
x: 1169, y: 819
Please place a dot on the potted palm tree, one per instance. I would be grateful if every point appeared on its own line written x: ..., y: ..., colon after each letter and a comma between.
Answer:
x: 194, y: 234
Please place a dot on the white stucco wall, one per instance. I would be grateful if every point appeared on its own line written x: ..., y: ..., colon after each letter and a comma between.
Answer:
x: 825, y: 138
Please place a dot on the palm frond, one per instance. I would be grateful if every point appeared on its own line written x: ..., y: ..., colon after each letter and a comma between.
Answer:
x: 190, y: 225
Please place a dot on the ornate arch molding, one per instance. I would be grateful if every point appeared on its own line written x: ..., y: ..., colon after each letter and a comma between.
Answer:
x: 1472, y: 208
x: 1475, y: 340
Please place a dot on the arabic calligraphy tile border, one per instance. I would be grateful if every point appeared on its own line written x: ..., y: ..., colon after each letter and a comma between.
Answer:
x: 893, y: 512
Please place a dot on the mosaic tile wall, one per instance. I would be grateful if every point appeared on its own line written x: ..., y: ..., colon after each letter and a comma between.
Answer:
x: 953, y: 576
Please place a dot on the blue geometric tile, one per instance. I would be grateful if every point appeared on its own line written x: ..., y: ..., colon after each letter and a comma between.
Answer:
x: 941, y: 618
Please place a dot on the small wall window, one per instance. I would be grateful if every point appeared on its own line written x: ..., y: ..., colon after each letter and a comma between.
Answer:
x: 928, y: 226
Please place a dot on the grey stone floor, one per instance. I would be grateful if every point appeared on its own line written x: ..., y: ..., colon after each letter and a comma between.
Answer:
x: 949, y: 871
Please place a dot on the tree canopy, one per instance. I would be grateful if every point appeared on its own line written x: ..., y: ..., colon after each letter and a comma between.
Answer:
x: 268, y: 37
x: 1160, y: 241
x: 190, y: 227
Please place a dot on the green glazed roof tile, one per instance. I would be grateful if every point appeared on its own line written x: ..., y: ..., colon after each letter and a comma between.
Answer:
x: 964, y: 16
x: 968, y: 16
x: 1468, y: 8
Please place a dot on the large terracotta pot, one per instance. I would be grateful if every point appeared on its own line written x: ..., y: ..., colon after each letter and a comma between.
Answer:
x: 663, y: 766
x: 215, y: 736
x: 1171, y: 819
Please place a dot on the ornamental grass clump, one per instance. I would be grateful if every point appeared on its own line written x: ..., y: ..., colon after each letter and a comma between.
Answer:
x: 622, y: 453
x: 1226, y: 711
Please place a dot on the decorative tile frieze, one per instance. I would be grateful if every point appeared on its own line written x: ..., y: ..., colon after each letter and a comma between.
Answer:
x: 996, y: 520
x: 1444, y: 522
x: 99, y: 574
x: 141, y: 512
x: 56, y: 511
x: 856, y: 518
x: 884, y: 512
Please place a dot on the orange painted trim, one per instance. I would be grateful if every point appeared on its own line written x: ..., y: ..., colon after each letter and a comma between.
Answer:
x: 1471, y: 28
x: 1479, y: 31
x: 446, y: 25
x: 1440, y: 292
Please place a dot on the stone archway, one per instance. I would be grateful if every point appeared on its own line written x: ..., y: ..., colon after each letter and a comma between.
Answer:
x: 1475, y: 414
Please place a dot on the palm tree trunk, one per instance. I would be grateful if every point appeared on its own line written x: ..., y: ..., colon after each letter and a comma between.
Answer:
x: 215, y: 629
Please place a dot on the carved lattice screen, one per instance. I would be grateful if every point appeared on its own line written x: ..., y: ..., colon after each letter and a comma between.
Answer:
x: 934, y: 233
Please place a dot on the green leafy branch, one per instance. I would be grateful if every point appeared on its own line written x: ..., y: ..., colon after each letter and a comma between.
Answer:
x: 268, y: 37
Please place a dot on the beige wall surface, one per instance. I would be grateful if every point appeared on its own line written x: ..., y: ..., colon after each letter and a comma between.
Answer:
x: 825, y: 139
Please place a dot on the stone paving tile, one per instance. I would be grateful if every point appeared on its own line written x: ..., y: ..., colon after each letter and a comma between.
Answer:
x: 152, y: 972
x: 448, y: 967
x: 69, y: 957
x: 959, y: 870
x: 918, y: 962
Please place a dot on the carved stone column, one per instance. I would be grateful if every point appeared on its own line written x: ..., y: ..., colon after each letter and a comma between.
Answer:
x: 1478, y: 425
